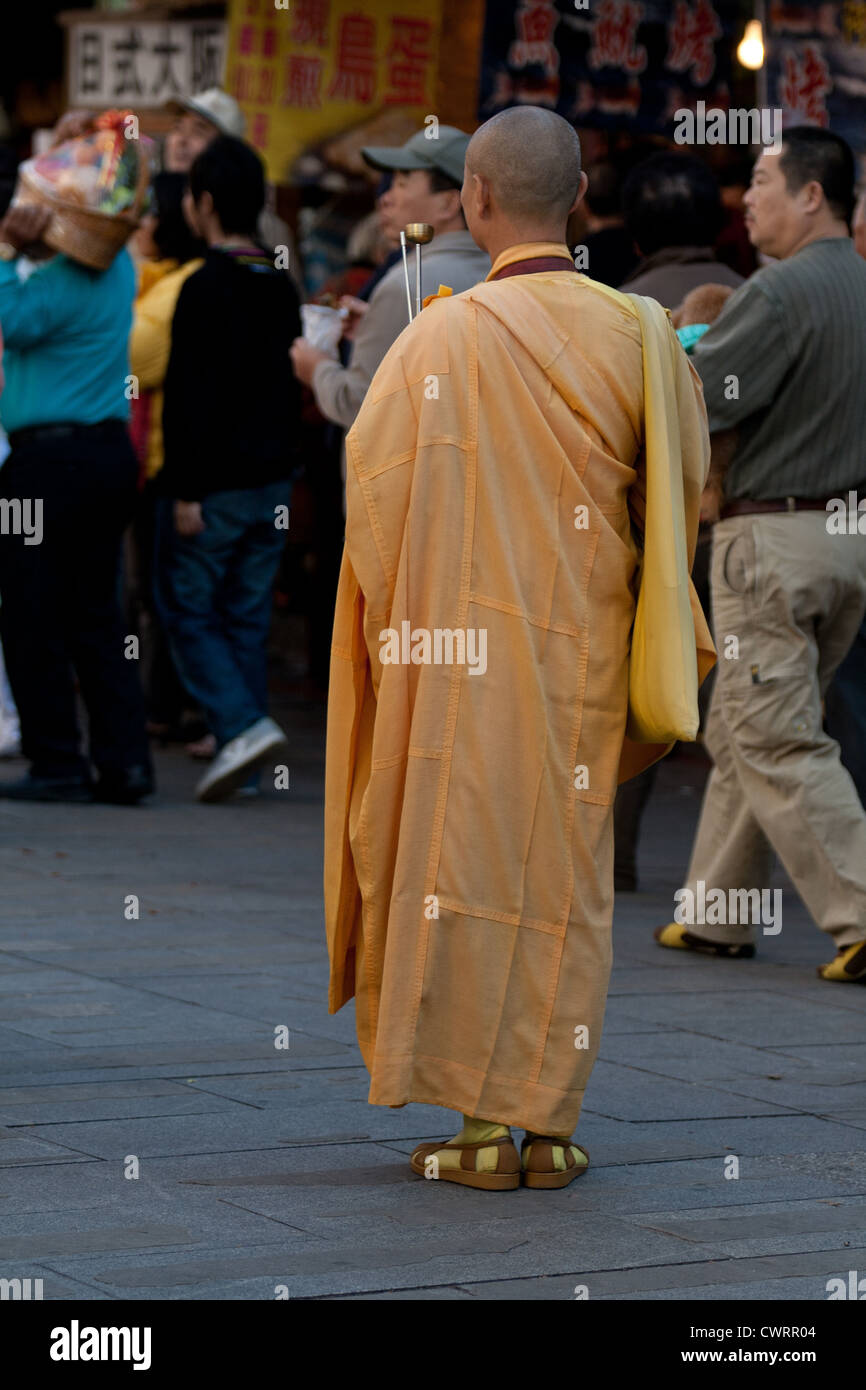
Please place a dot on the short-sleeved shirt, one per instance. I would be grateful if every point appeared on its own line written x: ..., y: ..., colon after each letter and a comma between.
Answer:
x: 785, y: 364
x: 66, y: 331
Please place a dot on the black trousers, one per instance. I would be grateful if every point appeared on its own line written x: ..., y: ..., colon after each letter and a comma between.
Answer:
x: 165, y: 697
x: 60, y: 611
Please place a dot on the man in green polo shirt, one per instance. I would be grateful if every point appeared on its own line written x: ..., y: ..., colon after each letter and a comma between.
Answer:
x: 784, y: 365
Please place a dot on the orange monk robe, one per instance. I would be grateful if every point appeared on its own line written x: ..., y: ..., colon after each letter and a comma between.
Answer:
x: 469, y: 845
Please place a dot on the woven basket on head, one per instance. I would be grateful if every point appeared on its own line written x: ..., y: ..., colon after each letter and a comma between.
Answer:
x: 89, y: 237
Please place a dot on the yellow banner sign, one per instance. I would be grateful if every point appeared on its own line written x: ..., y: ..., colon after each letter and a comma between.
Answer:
x: 312, y: 69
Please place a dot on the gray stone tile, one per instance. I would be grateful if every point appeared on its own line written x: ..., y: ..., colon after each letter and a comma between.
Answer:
x: 269, y: 1090
x: 200, y: 1183
x: 18, y: 1147
x: 58, y: 1105
x: 243, y: 1128
x: 155, y: 1038
x: 759, y: 1225
x: 448, y: 1294
x: 207, y: 1058
x: 693, y: 1057
x: 38, y: 1245
x: 622, y: 1093
x: 809, y: 1270
x: 754, y: 1017
x: 844, y: 1101
x: 310, y: 1268
x: 836, y: 1059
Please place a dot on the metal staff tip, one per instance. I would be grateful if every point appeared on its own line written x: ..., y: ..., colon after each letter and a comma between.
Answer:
x: 417, y: 234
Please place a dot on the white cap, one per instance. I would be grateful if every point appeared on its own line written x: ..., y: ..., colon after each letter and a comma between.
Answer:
x: 215, y: 106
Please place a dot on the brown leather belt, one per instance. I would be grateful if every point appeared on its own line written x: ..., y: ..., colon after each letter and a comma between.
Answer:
x: 781, y: 504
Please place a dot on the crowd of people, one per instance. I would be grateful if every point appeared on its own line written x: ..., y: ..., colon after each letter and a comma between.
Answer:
x: 195, y: 465
x: 161, y: 411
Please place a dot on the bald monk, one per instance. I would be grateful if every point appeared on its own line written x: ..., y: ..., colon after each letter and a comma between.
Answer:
x: 501, y: 474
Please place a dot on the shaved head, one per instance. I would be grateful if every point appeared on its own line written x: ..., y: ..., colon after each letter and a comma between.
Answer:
x: 530, y: 158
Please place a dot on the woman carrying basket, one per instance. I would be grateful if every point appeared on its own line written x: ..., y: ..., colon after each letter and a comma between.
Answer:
x: 70, y: 480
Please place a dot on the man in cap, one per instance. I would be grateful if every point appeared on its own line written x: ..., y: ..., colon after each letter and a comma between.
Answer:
x: 198, y: 121
x: 427, y: 176
x: 481, y: 677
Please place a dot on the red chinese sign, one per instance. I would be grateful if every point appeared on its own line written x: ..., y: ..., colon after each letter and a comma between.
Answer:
x: 805, y: 84
x: 692, y: 40
x: 318, y: 66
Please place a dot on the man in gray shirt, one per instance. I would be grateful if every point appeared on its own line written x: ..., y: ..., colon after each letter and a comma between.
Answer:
x: 784, y: 366
x: 428, y: 175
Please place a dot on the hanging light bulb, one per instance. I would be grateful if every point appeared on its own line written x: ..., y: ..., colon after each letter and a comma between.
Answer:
x: 750, y: 50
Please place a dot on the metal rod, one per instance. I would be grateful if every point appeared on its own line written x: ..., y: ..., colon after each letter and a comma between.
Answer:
x: 418, y: 277
x: 406, y: 273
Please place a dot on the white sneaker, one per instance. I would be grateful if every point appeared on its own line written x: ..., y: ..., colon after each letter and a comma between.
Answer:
x: 232, y: 765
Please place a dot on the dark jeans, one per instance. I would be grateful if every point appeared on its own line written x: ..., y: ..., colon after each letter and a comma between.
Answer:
x: 213, y: 592
x: 59, y: 611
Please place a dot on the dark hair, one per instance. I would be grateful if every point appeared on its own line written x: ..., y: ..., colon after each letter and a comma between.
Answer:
x: 232, y: 173
x: 440, y: 183
x: 171, y: 234
x: 672, y: 200
x: 604, y: 193
x: 808, y: 153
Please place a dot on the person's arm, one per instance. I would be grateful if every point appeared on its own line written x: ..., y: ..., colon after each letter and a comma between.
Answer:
x: 34, y: 309
x: 742, y: 358
x: 339, y: 390
x: 186, y: 401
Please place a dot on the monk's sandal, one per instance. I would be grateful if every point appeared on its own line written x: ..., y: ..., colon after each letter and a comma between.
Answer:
x: 849, y: 964
x: 676, y: 936
x: 539, y: 1169
x: 504, y: 1177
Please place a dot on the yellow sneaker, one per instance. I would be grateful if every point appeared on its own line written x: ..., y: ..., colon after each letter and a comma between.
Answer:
x: 850, y: 964
x: 678, y: 937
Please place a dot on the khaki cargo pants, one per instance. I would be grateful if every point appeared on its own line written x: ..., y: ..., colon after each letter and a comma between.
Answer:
x: 787, y: 599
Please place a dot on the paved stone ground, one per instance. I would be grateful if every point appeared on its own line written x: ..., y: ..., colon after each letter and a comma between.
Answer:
x: 154, y: 1040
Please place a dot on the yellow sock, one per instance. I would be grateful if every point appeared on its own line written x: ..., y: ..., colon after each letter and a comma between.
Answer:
x: 473, y: 1132
x: 559, y: 1160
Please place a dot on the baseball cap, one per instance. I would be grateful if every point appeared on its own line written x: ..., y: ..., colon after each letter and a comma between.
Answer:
x: 215, y: 106
x: 446, y: 153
